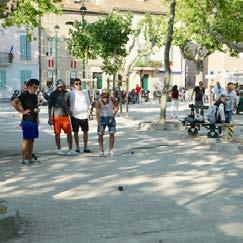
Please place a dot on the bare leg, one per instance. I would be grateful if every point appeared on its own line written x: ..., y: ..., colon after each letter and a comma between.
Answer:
x: 30, y: 149
x: 76, y: 139
x: 85, y: 138
x: 111, y: 142
x: 70, y: 140
x: 24, y: 148
x: 58, y: 141
x: 101, y: 142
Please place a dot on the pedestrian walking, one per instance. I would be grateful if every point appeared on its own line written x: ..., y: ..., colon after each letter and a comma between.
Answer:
x: 80, y: 104
x: 59, y: 111
x: 27, y: 105
x: 138, y: 91
x: 230, y: 106
x: 175, y: 101
x: 199, y: 92
x: 106, y: 111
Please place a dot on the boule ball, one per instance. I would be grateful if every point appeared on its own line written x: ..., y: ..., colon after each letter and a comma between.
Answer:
x: 120, y: 188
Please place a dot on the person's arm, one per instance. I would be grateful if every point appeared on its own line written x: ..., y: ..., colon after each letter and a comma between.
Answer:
x: 192, y: 94
x: 234, y: 102
x: 16, y: 103
x: 97, y: 110
x: 222, y: 113
x: 50, y: 110
x: 116, y: 108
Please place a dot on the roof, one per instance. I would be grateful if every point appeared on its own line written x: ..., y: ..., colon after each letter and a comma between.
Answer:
x: 136, y: 6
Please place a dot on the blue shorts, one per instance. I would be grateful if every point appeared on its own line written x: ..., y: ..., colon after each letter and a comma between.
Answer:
x: 107, y: 121
x: 30, y: 130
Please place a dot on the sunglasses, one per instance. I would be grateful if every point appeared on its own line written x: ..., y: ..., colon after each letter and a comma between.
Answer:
x: 78, y: 83
x: 105, y: 97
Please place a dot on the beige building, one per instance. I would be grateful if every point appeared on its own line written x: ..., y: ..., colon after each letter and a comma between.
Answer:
x: 61, y: 65
x: 221, y: 67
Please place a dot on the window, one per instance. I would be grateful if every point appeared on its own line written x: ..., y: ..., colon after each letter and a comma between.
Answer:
x: 25, y: 75
x: 25, y: 48
x: 2, y: 79
x: 51, y: 47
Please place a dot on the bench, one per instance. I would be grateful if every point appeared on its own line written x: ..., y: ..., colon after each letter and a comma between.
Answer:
x: 194, y: 125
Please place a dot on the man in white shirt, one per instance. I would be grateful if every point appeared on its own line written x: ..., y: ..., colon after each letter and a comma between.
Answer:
x: 217, y: 91
x: 80, y: 104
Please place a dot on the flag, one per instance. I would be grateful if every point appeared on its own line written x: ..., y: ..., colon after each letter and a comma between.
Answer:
x: 11, y: 52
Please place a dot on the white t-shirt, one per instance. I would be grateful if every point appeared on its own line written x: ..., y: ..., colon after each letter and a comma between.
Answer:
x: 217, y: 92
x: 80, y: 104
x: 230, y: 100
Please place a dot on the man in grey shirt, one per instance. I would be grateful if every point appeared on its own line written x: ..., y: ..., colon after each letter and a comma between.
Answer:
x: 59, y: 110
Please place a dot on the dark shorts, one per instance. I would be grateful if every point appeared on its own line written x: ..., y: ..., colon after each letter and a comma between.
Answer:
x: 107, y: 121
x: 30, y: 130
x: 83, y: 123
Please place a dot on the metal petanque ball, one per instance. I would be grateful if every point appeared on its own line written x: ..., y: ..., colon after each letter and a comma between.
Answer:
x: 132, y: 152
x: 120, y: 188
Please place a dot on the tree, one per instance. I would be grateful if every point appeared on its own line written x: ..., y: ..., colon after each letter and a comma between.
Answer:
x: 206, y: 26
x: 168, y: 43
x: 112, y: 33
x: 201, y: 28
x: 106, y: 38
x: 26, y: 12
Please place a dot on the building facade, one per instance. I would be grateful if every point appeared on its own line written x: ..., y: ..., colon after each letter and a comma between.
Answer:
x: 18, y: 59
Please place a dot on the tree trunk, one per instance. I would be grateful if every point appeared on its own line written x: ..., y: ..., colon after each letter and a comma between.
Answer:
x: 169, y: 38
x: 114, y: 85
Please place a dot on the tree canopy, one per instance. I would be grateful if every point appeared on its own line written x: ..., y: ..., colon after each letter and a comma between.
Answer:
x: 25, y: 12
x: 106, y: 38
x: 201, y: 28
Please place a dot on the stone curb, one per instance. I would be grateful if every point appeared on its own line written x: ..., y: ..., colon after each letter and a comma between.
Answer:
x: 9, y: 221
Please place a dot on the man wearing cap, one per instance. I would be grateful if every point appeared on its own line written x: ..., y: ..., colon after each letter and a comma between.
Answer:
x: 27, y: 105
x: 106, y: 110
x: 59, y: 110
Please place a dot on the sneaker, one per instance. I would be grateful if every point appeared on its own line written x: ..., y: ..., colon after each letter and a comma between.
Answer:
x: 77, y: 151
x: 34, y: 157
x: 87, y: 151
x: 60, y: 152
x: 111, y: 153
x: 101, y: 154
x: 26, y: 162
x: 72, y: 153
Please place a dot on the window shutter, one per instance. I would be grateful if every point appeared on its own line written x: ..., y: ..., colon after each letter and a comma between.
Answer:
x: 28, y: 49
x: 2, y: 79
x: 25, y: 75
x: 22, y: 47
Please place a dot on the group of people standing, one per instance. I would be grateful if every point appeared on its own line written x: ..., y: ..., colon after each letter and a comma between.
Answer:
x: 68, y: 112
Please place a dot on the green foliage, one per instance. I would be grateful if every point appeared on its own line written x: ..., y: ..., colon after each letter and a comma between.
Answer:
x: 207, y: 25
x: 25, y: 12
x: 112, y: 33
x: 82, y: 44
x: 106, y: 38
x: 241, y: 21
x: 149, y: 63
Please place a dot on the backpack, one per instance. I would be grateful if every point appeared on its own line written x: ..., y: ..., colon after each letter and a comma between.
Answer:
x: 212, y: 113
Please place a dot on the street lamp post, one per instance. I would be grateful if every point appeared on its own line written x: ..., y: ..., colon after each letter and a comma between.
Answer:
x: 56, y: 40
x: 83, y: 11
